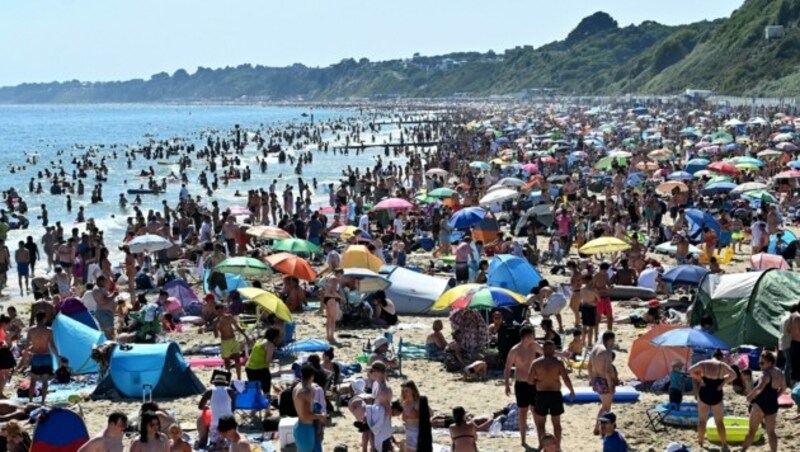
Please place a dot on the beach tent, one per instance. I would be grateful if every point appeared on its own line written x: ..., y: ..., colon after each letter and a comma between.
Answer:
x: 75, y: 309
x: 787, y: 236
x: 59, y: 430
x: 414, y: 293
x: 159, y: 367
x: 746, y: 308
x: 513, y: 273
x: 180, y: 290
x: 233, y: 282
x: 74, y: 341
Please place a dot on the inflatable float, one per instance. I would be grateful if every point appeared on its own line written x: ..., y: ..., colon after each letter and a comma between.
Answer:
x: 630, y: 292
x: 585, y: 394
x: 683, y: 416
x: 143, y: 191
x: 735, y: 428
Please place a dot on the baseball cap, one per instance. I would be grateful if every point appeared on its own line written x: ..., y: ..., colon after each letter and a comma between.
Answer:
x: 608, y: 417
x: 379, y: 342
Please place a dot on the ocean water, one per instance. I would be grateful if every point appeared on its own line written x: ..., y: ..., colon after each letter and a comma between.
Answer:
x: 45, y: 130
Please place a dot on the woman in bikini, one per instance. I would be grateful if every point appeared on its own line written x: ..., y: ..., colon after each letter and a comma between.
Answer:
x: 330, y: 300
x: 764, y: 401
x: 463, y: 434
x: 710, y: 376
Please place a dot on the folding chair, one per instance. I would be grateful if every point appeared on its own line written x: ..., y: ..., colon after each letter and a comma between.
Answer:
x: 251, y: 399
x: 656, y: 416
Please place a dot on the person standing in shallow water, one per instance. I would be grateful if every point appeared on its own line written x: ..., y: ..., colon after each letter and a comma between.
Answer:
x: 23, y: 259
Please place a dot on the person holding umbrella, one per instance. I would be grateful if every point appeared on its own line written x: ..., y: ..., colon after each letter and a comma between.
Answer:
x: 710, y: 376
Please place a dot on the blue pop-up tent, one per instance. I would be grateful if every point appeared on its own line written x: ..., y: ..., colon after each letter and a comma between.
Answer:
x: 513, y: 273
x: 75, y: 341
x: 232, y: 281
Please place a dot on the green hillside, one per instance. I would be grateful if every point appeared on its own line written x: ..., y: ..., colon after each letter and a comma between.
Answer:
x: 730, y: 56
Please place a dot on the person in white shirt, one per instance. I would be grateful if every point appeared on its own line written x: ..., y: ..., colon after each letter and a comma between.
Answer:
x: 363, y: 223
x: 205, y: 230
x: 398, y: 225
x: 184, y: 194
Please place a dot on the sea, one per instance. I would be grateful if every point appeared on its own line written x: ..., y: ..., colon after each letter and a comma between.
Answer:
x: 43, y: 130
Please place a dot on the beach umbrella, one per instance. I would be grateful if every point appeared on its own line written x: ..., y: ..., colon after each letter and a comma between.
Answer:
x: 748, y: 186
x: 437, y: 172
x: 368, y: 280
x: 291, y: 265
x: 530, y: 168
x: 660, y: 154
x: 764, y: 261
x: 769, y: 153
x: 717, y: 179
x: 296, y: 246
x: 667, y: 187
x: 345, y: 232
x: 239, y: 211
x: 442, y: 192
x: 724, y: 168
x: 786, y: 146
x: 268, y: 233
x: 695, y: 165
x: 680, y: 175
x: 747, y: 160
x: 512, y: 273
x: 650, y: 362
x: 620, y: 154
x: 733, y: 122
x: 607, y: 162
x: 783, y: 137
x: 467, y: 217
x: 245, y: 266
x: 647, y: 166
x: 698, y: 219
x: 747, y: 167
x: 672, y: 249
x: 760, y: 195
x: 393, y: 204
x: 713, y: 188
x: 604, y: 245
x: 358, y: 256
x: 685, y: 275
x: 548, y: 160
x: 149, y: 243
x: 480, y: 165
x: 268, y: 301
x: 511, y: 182
x: 477, y: 296
x: 500, y: 195
x: 788, y: 175
x: 691, y: 338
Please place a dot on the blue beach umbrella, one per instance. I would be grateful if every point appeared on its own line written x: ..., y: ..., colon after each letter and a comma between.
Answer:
x: 680, y: 175
x: 699, y: 219
x: 691, y: 338
x: 467, y: 217
x: 719, y: 187
x: 513, y: 273
x: 685, y: 275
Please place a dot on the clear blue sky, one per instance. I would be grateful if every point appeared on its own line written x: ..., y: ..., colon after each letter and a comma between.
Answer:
x: 47, y: 40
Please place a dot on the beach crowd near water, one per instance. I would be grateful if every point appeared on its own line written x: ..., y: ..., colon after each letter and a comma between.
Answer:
x: 521, y: 276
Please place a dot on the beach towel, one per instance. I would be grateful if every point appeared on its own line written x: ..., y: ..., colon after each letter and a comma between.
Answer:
x: 379, y: 423
x: 303, y: 346
x: 413, y: 351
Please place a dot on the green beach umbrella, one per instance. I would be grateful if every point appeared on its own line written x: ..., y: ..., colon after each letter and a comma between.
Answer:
x: 606, y: 162
x: 480, y: 165
x: 442, y: 192
x: 245, y: 266
x: 296, y: 246
x: 760, y: 195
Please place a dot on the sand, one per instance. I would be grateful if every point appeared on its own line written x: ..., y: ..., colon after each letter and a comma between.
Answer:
x: 479, y: 397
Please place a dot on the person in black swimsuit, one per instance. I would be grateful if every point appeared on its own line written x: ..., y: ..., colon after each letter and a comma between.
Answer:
x: 764, y: 401
x: 710, y: 376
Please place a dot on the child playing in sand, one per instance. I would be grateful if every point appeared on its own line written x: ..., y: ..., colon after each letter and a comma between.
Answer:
x: 676, y: 381
x: 576, y: 345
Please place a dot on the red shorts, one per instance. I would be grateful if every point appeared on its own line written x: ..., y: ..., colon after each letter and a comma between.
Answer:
x: 604, y: 306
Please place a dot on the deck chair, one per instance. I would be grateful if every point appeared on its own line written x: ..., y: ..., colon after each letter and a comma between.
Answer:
x: 656, y: 416
x: 251, y: 399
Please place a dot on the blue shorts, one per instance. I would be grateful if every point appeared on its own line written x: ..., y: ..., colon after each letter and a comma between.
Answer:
x: 23, y: 268
x: 42, y: 365
x: 105, y: 318
x: 305, y: 437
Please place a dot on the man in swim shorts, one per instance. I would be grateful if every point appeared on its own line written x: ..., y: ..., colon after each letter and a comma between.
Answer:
x: 546, y: 374
x: 602, y: 284
x: 601, y: 373
x: 520, y: 357
x: 106, y: 306
x: 23, y: 258
x: 305, y: 434
x: 40, y: 338
x: 231, y: 349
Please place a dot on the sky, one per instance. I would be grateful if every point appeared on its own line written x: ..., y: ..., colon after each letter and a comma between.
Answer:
x: 100, y: 40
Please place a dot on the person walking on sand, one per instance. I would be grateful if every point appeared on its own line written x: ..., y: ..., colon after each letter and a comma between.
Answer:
x: 602, y: 284
x: 226, y: 327
x: 520, y: 357
x: 23, y: 258
x: 601, y: 374
x: 111, y: 438
x: 41, y: 345
x: 331, y: 298
x: 764, y: 401
x: 710, y: 376
x: 546, y: 374
x: 588, y: 310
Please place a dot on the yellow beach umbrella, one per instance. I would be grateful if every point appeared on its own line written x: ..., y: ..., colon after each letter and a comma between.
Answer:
x: 268, y: 301
x: 358, y: 256
x: 604, y: 245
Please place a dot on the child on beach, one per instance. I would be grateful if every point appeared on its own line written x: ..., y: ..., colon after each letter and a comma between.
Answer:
x: 676, y: 381
x: 576, y: 345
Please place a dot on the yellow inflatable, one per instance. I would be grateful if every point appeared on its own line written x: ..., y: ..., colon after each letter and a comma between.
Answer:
x: 735, y: 427
x: 578, y: 364
x: 722, y: 259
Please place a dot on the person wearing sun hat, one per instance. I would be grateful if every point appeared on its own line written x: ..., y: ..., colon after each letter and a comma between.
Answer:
x: 613, y: 441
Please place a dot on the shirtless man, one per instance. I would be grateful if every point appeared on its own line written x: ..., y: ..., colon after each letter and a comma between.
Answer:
x: 5, y: 263
x: 331, y: 298
x: 601, y: 373
x: 546, y: 374
x: 602, y: 284
x: 520, y: 357
x: 226, y: 328
x: 793, y: 328
x: 381, y: 397
x: 575, y: 281
x: 588, y: 307
x: 305, y: 433
x: 229, y: 230
x: 130, y: 271
x: 111, y: 438
x: 66, y: 256
x: 41, y: 344
x: 106, y: 306
x: 23, y: 258
x: 228, y: 429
